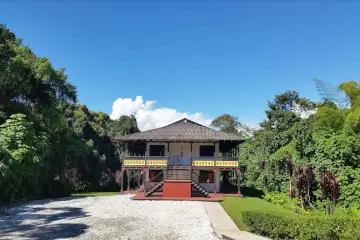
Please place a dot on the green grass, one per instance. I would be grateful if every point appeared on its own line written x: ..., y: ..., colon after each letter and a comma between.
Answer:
x: 235, y: 206
x: 94, y: 194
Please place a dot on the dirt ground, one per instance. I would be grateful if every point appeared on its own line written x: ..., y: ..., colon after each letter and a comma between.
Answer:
x: 111, y: 217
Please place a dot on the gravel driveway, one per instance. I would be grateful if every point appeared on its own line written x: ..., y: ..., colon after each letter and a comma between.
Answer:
x: 113, y: 217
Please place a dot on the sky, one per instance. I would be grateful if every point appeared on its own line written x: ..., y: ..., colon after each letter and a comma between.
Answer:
x: 165, y: 60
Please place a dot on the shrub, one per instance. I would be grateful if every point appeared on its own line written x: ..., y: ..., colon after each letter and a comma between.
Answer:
x: 277, y: 198
x: 284, y: 200
x: 107, y: 181
x: 73, y: 176
x: 280, y: 226
x: 57, y: 188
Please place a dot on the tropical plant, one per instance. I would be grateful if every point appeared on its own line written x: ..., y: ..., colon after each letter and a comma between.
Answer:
x: 329, y: 188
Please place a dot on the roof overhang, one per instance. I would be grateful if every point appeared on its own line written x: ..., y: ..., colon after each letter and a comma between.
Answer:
x: 175, y: 140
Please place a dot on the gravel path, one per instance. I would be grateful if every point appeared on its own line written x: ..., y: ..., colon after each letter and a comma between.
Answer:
x: 113, y: 217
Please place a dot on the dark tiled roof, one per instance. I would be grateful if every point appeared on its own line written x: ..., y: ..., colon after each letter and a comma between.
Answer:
x: 183, y: 130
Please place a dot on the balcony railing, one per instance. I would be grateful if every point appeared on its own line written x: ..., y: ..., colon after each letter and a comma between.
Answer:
x: 141, y: 161
x: 214, y: 162
x: 161, y: 161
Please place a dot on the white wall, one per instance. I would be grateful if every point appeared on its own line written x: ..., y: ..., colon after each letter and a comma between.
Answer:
x: 180, y: 153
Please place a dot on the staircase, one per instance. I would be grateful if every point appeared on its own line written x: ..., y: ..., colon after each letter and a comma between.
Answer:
x: 200, y: 189
x: 154, y: 189
x: 175, y: 173
x: 154, y: 184
x: 197, y: 186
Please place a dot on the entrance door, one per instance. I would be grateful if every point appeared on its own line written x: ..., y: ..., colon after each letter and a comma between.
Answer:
x: 180, y: 154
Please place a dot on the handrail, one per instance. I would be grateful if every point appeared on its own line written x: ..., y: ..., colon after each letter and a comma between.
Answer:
x: 149, y: 183
x: 145, y: 157
x: 198, y: 182
x: 156, y: 176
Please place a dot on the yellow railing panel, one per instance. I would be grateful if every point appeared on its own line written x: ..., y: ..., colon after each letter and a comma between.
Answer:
x: 134, y: 162
x: 156, y: 162
x: 203, y: 163
x: 227, y: 163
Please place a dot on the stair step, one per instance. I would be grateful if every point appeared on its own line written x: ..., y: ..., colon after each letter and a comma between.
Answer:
x: 200, y: 189
x: 156, y: 187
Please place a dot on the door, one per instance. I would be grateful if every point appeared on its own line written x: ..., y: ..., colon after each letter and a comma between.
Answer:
x: 180, y: 154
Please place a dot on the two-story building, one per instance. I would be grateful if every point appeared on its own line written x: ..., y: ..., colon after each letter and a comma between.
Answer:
x: 182, y: 159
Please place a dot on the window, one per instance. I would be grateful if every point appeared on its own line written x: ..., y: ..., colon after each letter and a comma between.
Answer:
x: 157, y: 150
x: 207, y: 151
x: 206, y: 176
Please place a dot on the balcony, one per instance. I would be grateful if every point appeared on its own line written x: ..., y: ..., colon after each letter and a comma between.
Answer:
x: 194, y: 162
x: 143, y: 161
x: 214, y: 162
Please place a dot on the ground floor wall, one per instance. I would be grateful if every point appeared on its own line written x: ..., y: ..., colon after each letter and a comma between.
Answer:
x: 208, y: 186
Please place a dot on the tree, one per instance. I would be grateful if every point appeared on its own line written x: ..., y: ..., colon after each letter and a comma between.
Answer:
x: 329, y: 187
x: 286, y: 109
x: 22, y: 148
x: 28, y: 83
x: 352, y: 91
x: 290, y: 170
x: 310, y: 178
x: 230, y: 124
x: 301, y: 184
x: 123, y: 126
x: 330, y: 93
x: 226, y: 123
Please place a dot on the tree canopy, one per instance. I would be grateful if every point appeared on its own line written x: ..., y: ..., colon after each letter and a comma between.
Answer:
x: 50, y: 144
x: 327, y: 139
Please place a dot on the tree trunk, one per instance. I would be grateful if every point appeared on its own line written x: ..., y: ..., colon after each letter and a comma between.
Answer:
x: 290, y: 187
x: 302, y: 202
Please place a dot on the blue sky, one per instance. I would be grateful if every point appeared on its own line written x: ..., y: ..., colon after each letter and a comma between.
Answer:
x: 214, y: 58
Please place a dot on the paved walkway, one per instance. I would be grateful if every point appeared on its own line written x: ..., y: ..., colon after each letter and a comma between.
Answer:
x: 224, y: 226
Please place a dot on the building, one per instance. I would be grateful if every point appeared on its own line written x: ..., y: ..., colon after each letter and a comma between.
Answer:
x: 182, y: 159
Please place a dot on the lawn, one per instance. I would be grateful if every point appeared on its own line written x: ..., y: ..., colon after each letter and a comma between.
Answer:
x: 94, y: 194
x: 235, y: 206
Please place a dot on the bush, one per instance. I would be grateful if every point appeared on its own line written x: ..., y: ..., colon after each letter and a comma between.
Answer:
x: 280, y: 226
x: 284, y: 200
x: 57, y: 188
x: 278, y: 198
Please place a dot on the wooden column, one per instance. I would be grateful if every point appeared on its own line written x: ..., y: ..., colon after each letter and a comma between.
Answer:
x: 122, y: 180
x: 238, y: 182
x: 143, y: 177
x: 139, y: 176
x: 128, y: 180
x: 214, y: 180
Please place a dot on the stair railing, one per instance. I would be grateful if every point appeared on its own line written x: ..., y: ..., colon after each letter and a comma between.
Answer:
x: 198, y: 177
x: 152, y: 182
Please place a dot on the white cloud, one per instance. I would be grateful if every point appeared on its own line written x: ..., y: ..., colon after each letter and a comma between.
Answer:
x: 149, y: 117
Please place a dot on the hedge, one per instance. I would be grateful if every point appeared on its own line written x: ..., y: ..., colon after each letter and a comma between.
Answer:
x: 280, y: 226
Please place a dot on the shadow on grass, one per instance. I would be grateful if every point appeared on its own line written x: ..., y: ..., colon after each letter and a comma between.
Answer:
x: 33, y: 221
x: 251, y: 192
